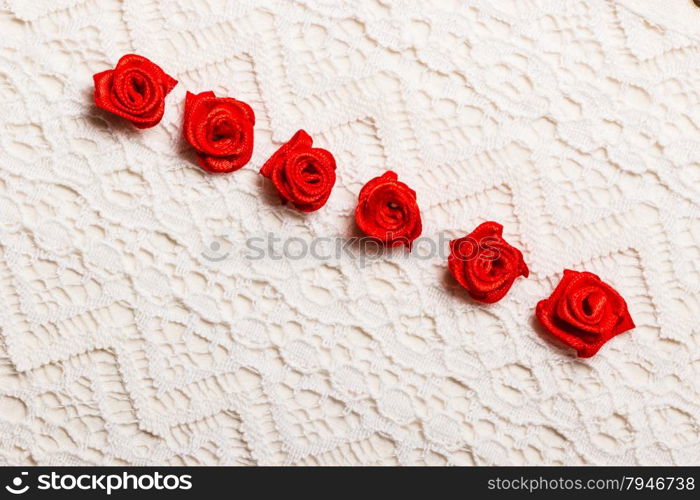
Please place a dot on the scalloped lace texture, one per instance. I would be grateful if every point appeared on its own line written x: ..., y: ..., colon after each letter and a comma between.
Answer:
x: 576, y: 124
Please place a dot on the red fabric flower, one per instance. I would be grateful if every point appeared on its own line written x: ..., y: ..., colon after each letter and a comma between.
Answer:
x: 135, y: 89
x: 584, y: 312
x: 387, y: 210
x: 220, y: 129
x: 485, y: 264
x: 302, y: 175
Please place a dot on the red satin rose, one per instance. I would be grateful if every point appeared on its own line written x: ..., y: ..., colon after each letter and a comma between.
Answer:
x: 302, y: 175
x: 387, y: 210
x: 220, y: 129
x: 135, y: 89
x: 584, y: 312
x: 485, y: 264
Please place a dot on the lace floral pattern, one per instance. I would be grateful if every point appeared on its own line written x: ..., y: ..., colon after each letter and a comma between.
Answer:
x: 128, y: 336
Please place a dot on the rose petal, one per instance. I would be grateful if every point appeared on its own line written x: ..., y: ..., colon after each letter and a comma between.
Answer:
x: 564, y: 316
x: 387, y: 210
x: 220, y: 129
x: 302, y: 175
x: 135, y: 89
x: 485, y: 264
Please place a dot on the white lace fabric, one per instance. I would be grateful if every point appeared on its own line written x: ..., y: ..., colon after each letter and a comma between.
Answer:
x: 575, y: 124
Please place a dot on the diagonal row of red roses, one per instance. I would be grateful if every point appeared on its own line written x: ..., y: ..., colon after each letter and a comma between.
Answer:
x: 583, y: 312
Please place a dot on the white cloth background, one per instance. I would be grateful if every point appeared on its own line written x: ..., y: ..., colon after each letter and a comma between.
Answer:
x: 574, y: 123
